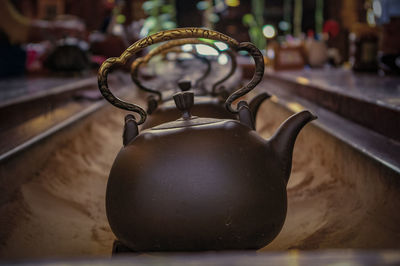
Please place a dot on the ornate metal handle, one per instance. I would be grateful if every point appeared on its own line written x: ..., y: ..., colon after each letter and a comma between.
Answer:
x: 135, y: 77
x: 257, y: 76
x: 232, y: 56
x: 175, y: 43
x: 180, y: 33
x: 197, y: 56
x: 167, y: 48
x: 180, y: 42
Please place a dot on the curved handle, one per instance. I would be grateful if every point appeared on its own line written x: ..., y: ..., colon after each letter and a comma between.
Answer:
x: 180, y: 42
x: 257, y: 77
x: 166, y: 49
x: 196, y: 55
x: 135, y: 77
x: 205, y: 61
x: 230, y: 73
x: 175, y: 43
x: 167, y: 35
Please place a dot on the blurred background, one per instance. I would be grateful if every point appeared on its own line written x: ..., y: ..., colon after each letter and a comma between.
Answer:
x: 58, y: 136
x: 42, y: 36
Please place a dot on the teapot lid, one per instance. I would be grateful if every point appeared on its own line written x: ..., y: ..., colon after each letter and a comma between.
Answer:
x: 184, y: 102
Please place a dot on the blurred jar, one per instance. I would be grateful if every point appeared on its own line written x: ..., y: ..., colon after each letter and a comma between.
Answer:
x: 387, y: 15
x: 389, y: 47
x: 363, y: 47
x: 317, y: 53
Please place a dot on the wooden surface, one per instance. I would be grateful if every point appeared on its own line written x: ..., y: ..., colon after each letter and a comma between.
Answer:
x: 290, y: 258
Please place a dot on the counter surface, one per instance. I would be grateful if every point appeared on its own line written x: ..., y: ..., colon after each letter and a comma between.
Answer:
x: 366, y: 86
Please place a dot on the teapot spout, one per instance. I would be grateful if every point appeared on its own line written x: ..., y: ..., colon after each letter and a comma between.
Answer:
x: 282, y: 142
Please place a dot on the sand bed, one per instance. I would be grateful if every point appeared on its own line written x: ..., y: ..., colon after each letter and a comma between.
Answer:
x: 337, y: 197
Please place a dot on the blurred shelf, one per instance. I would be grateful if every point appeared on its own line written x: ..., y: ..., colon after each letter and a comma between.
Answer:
x: 26, y: 88
x: 362, y: 110
x: 367, y: 99
x: 40, y: 107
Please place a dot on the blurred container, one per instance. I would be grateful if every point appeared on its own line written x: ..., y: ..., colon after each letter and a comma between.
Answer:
x: 285, y: 57
x: 389, y: 47
x: 364, y: 47
x: 317, y: 53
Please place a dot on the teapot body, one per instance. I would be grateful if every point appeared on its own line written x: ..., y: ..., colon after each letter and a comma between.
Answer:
x: 209, y: 187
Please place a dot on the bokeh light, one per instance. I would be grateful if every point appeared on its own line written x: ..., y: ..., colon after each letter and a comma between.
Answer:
x: 121, y: 19
x: 232, y: 3
x: 284, y: 25
x: 223, y: 59
x: 269, y: 31
x: 221, y: 46
x: 202, y: 5
x: 205, y: 50
x: 377, y: 7
x: 187, y: 47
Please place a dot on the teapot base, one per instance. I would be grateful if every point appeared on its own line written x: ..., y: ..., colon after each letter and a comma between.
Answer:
x: 120, y: 249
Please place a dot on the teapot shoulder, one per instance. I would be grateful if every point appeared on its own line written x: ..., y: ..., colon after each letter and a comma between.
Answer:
x: 199, y: 100
x: 200, y: 125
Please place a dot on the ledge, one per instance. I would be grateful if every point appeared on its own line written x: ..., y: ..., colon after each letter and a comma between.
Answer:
x: 33, y: 115
x: 347, y: 108
x: 366, y: 99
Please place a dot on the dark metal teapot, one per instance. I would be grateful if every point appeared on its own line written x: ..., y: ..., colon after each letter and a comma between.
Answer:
x: 198, y: 183
x: 208, y: 103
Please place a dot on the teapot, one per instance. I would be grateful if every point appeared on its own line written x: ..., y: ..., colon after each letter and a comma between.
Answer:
x: 198, y: 183
x: 210, y: 106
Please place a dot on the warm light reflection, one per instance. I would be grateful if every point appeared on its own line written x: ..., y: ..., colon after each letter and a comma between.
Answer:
x: 185, y: 56
x: 302, y: 80
x: 174, y: 56
x: 295, y: 107
x: 293, y: 259
x: 274, y: 99
x: 232, y: 3
x: 187, y: 47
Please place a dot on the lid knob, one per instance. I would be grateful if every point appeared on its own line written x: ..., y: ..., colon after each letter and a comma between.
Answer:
x: 185, y: 85
x: 184, y: 102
